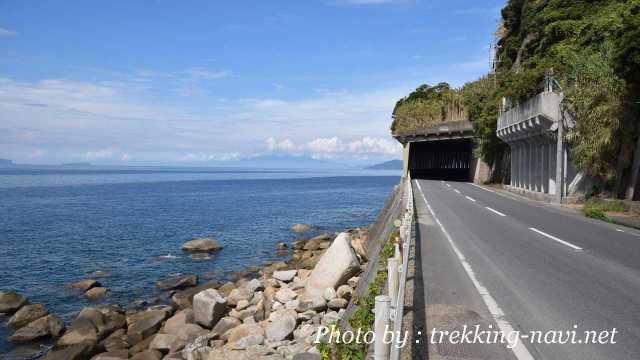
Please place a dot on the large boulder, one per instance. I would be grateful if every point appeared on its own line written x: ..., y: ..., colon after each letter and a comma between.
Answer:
x: 334, y: 268
x: 178, y: 282
x: 314, y: 242
x: 184, y: 298
x: 238, y: 294
x: 27, y: 314
x: 299, y: 228
x: 281, y: 328
x: 112, y: 355
x: 11, y: 302
x: 147, y: 355
x: 73, y: 352
x: 208, y: 307
x: 96, y: 293
x: 202, y: 245
x: 236, y: 334
x: 84, y: 285
x: 225, y: 324
x: 144, y: 324
x: 285, y: 275
x: 47, y: 326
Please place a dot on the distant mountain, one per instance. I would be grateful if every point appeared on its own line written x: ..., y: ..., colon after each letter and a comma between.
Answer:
x: 387, y: 165
x: 77, y: 164
x: 6, y: 162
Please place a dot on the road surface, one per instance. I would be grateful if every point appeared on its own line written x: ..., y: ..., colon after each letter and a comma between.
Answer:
x: 500, y: 262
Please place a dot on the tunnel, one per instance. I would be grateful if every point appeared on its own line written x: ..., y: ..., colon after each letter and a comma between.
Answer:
x: 450, y: 159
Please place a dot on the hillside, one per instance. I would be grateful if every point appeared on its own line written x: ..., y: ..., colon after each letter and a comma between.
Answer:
x: 387, y: 165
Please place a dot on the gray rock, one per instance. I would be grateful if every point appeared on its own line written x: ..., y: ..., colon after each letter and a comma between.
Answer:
x: 285, y: 275
x: 184, y: 298
x: 329, y: 294
x: 147, y: 355
x: 242, y: 304
x: 299, y: 228
x: 238, y: 294
x: 178, y: 282
x: 112, y: 355
x: 281, y: 328
x: 254, y: 285
x: 306, y: 356
x: 84, y: 285
x: 225, y: 324
x: 353, y: 282
x: 202, y: 245
x: 27, y: 314
x: 292, y: 304
x: 144, y: 324
x: 335, y: 267
x: 337, y: 304
x: 314, y: 243
x: 236, y: 334
x: 73, y: 352
x: 208, y: 307
x: 316, y: 304
x: 344, y: 292
x: 330, y: 318
x: 96, y: 293
x: 47, y: 326
x: 285, y: 294
x: 11, y: 302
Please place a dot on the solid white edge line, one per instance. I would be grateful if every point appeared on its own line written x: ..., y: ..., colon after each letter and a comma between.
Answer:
x: 495, y: 211
x: 470, y: 198
x: 519, y: 350
x: 456, y: 190
x: 620, y: 230
x: 556, y: 239
x: 482, y: 187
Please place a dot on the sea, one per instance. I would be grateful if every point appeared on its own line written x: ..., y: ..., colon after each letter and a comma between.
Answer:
x: 125, y: 226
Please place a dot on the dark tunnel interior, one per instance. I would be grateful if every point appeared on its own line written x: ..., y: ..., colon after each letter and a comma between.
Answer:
x: 441, y: 159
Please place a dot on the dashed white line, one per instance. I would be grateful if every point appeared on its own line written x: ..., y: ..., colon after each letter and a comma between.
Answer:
x: 620, y: 230
x: 470, y: 198
x: 518, y: 348
x: 456, y: 190
x: 448, y: 185
x: 482, y: 187
x: 495, y: 211
x: 578, y: 248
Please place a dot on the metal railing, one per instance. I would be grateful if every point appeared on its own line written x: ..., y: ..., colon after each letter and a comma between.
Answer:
x: 390, y: 308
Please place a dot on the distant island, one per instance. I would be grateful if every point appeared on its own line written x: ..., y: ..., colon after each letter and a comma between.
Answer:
x: 387, y: 165
x: 6, y: 162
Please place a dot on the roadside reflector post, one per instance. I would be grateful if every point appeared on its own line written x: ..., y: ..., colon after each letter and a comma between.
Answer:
x: 381, y: 322
x: 393, y: 279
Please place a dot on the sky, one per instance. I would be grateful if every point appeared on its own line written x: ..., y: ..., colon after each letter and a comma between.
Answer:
x: 199, y: 82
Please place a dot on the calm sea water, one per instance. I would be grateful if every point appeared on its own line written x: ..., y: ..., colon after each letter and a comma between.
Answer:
x: 58, y: 226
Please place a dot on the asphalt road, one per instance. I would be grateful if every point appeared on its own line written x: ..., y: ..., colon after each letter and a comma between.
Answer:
x: 489, y: 259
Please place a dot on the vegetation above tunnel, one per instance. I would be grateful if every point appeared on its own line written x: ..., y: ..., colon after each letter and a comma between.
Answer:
x: 593, y: 48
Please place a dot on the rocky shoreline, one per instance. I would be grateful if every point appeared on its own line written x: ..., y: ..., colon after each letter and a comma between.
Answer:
x: 271, y: 312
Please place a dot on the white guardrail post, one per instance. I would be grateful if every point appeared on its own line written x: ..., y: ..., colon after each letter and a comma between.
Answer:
x: 401, y: 261
x: 382, y: 308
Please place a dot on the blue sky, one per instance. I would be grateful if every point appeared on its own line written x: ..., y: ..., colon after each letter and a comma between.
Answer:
x: 199, y: 81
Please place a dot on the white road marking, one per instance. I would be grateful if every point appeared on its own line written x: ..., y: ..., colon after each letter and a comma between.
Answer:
x: 456, y: 190
x: 482, y: 187
x: 620, y: 230
x: 470, y: 198
x: 448, y: 185
x: 519, y: 350
x: 556, y: 239
x: 495, y: 211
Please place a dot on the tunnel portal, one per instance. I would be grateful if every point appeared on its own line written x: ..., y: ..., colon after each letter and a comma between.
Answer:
x: 450, y: 159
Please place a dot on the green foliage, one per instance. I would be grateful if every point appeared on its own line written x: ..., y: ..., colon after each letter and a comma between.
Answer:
x: 598, y: 209
x: 363, y: 317
x: 428, y: 105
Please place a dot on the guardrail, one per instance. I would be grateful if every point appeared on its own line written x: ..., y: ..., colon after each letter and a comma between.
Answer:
x: 390, y: 308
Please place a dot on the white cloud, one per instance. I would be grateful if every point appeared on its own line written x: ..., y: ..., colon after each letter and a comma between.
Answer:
x: 208, y: 75
x: 336, y: 148
x: 7, y: 32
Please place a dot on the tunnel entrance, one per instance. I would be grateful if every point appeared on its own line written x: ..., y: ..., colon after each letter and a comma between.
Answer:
x: 450, y: 159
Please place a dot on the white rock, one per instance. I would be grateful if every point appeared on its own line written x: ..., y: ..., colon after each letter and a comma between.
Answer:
x: 285, y: 294
x: 242, y: 304
x: 285, y: 276
x: 353, y: 282
x: 330, y: 318
x: 291, y: 304
x: 281, y: 328
x: 254, y: 285
x: 337, y: 304
x: 329, y: 294
x: 238, y: 294
x: 208, y: 307
x: 336, y: 266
